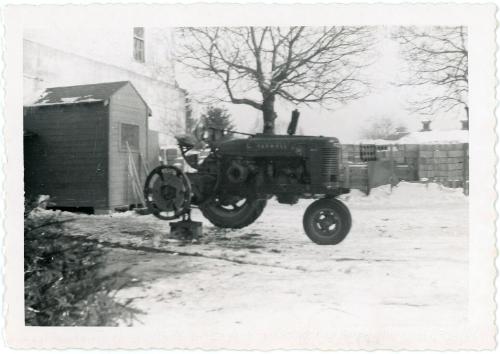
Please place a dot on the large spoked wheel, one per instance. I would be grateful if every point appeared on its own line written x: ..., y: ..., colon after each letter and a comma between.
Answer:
x: 327, y: 221
x: 233, y: 212
x: 167, y: 192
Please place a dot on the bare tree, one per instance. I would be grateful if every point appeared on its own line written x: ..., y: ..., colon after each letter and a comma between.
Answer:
x: 383, y: 128
x: 437, y: 57
x: 256, y: 65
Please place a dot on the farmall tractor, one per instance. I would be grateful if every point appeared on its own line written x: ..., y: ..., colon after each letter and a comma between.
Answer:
x: 232, y: 184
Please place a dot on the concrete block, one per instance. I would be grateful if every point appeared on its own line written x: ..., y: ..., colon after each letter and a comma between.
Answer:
x: 456, y: 153
x: 411, y: 148
x: 426, y: 153
x: 440, y: 153
x: 427, y: 161
x: 186, y: 229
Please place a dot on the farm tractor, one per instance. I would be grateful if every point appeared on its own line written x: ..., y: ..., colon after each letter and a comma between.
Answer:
x: 233, y: 183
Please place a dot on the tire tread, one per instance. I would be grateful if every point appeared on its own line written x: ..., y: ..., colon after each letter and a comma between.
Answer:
x: 254, y: 213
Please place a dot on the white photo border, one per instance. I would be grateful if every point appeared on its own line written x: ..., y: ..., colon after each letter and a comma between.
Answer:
x: 478, y: 333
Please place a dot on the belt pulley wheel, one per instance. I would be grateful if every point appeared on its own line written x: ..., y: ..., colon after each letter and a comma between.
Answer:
x: 167, y: 192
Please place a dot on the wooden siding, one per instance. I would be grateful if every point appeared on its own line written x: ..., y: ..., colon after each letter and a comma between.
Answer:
x: 67, y: 158
x: 125, y: 107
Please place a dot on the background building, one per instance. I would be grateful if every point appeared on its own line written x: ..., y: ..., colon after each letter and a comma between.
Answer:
x: 77, y: 56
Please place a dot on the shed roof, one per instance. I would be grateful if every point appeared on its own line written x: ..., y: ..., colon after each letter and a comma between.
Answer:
x: 82, y: 94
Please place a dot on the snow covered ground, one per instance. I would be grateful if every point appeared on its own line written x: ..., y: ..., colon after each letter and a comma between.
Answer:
x: 404, y: 263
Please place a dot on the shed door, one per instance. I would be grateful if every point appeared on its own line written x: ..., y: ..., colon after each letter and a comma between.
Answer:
x: 131, y: 143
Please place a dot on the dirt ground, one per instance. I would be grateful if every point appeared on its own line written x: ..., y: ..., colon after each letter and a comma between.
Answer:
x: 403, y: 263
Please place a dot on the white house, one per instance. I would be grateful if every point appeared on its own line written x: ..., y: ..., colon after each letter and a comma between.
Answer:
x: 143, y: 56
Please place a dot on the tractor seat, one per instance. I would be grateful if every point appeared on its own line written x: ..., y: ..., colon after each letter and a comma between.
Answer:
x: 186, y: 140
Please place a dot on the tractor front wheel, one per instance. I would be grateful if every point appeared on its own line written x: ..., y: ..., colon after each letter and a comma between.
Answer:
x: 327, y: 221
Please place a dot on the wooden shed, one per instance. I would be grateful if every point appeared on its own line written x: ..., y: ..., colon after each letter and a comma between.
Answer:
x: 83, y: 143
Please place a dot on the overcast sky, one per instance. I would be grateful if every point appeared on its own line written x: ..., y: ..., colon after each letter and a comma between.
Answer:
x: 345, y: 122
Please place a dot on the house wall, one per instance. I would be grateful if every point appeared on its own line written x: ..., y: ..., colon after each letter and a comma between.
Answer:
x: 67, y: 159
x: 113, y: 45
x: 76, y: 56
x: 125, y: 107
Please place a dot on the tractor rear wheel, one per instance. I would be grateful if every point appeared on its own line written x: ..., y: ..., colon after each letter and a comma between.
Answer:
x: 327, y: 221
x: 234, y: 214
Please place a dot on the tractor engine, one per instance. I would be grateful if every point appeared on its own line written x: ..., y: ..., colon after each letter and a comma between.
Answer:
x: 260, y: 175
x: 289, y: 167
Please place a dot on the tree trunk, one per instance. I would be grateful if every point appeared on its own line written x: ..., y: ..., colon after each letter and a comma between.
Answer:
x: 268, y: 114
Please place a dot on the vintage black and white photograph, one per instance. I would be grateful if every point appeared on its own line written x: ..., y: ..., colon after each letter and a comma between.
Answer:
x: 221, y: 183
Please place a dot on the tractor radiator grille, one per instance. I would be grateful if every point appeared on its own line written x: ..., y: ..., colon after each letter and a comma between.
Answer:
x: 329, y: 164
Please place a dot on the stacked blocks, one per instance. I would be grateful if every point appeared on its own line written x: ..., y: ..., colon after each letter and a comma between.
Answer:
x: 444, y: 163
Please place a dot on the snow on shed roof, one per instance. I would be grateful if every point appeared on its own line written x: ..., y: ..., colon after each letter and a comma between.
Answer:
x: 82, y: 94
x: 436, y: 137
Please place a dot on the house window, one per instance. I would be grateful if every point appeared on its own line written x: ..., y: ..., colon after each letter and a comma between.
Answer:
x: 130, y: 135
x: 139, y: 54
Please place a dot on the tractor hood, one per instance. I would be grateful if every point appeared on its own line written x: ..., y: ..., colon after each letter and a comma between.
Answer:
x: 276, y: 145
